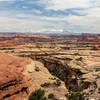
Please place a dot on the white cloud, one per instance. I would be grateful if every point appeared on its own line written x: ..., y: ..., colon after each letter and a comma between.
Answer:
x: 35, y: 11
x: 32, y: 23
x: 90, y: 22
x: 24, y: 7
x: 6, y: 0
x: 67, y: 4
x: 19, y: 25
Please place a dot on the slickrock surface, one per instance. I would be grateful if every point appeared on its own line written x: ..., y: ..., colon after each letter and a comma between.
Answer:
x: 13, y: 83
x: 37, y: 78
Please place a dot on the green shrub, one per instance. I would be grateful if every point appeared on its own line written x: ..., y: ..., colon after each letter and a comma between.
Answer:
x: 37, y: 69
x: 99, y: 90
x: 51, y: 96
x: 79, y: 59
x: 72, y: 88
x: 45, y: 85
x: 97, y: 69
x: 97, y: 77
x: 58, y: 83
x: 37, y: 95
x: 52, y: 78
x: 75, y: 96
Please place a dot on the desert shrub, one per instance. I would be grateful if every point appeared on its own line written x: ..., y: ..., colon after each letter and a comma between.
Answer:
x: 97, y: 69
x: 75, y: 96
x: 99, y: 90
x: 37, y: 69
x: 87, y: 99
x: 52, y: 78
x: 79, y: 59
x: 97, y: 77
x: 37, y: 95
x: 72, y: 88
x: 58, y: 83
x: 91, y: 91
x: 45, y: 84
x: 51, y: 96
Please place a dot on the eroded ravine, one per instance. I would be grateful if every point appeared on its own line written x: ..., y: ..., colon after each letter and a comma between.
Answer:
x: 79, y: 74
x: 71, y: 77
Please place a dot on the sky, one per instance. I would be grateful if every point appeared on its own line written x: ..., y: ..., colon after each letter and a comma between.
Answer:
x: 50, y: 16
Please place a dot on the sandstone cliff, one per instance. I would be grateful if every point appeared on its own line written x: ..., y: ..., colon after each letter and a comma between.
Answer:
x: 13, y: 83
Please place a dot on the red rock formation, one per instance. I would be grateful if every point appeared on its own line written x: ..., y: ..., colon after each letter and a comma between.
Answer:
x: 13, y: 84
x: 95, y: 47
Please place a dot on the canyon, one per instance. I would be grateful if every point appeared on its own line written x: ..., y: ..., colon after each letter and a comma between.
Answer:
x: 30, y: 61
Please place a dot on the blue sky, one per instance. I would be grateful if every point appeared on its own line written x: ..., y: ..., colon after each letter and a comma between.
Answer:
x: 53, y: 16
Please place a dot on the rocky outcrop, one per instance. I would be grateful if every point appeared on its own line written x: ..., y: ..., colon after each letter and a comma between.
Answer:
x: 13, y: 83
x: 80, y: 73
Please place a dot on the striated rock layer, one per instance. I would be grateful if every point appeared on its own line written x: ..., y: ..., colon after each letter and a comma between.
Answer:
x: 13, y: 83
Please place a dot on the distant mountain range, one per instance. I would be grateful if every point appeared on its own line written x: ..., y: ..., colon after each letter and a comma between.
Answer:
x: 65, y: 33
